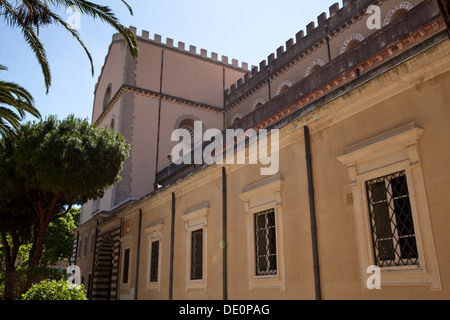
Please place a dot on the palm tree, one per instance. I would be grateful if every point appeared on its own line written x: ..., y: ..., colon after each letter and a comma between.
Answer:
x: 15, y: 96
x: 29, y: 16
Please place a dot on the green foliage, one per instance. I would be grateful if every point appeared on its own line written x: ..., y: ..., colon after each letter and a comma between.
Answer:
x: 48, y: 167
x: 58, y: 241
x: 55, y: 290
x: 17, y: 97
x: 70, y: 159
x: 23, y: 278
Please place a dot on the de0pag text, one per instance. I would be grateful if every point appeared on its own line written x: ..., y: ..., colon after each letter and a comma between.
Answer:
x: 227, y: 309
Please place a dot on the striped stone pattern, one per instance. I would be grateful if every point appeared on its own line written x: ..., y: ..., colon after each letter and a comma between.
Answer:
x: 106, y: 266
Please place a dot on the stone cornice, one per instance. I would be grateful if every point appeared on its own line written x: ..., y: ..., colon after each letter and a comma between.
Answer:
x: 155, y: 95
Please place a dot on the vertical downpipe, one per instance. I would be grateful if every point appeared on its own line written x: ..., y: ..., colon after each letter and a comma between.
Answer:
x: 312, y: 212
x: 118, y: 263
x: 172, y: 236
x: 328, y: 44
x: 224, y: 234
x: 93, y: 264
x: 118, y: 259
x: 76, y: 248
x: 159, y: 115
x: 137, y: 255
x: 268, y: 83
x: 223, y: 89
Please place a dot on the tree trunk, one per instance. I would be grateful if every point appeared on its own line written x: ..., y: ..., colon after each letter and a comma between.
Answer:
x: 10, y: 276
x: 43, y: 219
x: 38, y: 245
x: 10, y: 261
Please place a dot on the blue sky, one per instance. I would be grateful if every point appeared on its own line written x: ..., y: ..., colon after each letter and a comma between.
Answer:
x: 245, y: 30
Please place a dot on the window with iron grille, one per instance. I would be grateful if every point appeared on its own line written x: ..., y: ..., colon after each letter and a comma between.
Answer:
x: 265, y: 243
x: 126, y: 265
x: 197, y: 254
x: 154, y: 259
x: 392, y: 225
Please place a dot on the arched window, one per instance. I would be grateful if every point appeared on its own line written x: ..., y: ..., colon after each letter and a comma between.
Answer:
x: 188, y: 125
x: 314, y: 66
x: 236, y: 118
x: 107, y: 97
x: 286, y: 84
x: 112, y: 124
x: 397, y: 11
x: 258, y: 104
x: 351, y: 42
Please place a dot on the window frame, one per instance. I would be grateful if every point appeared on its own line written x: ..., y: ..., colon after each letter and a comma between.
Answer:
x: 267, y: 254
x: 154, y: 234
x: 152, y: 262
x: 394, y: 235
x: 195, y: 219
x: 127, y: 269
x: 193, y: 276
x: 259, y: 197
x: 390, y: 152
x: 126, y: 244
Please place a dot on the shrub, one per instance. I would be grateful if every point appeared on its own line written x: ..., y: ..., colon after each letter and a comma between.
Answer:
x: 55, y: 290
x: 24, y: 278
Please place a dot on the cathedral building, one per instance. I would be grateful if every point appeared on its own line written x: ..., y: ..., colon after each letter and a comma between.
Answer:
x: 356, y: 117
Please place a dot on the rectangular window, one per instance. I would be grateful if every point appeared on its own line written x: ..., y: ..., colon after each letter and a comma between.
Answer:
x: 265, y: 243
x: 85, y: 245
x: 80, y: 247
x: 126, y: 265
x: 197, y: 255
x: 392, y: 225
x: 154, y: 259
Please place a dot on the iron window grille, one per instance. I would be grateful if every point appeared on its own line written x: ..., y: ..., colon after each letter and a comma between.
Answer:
x: 154, y: 259
x: 126, y: 265
x: 197, y: 255
x: 265, y: 243
x: 392, y: 225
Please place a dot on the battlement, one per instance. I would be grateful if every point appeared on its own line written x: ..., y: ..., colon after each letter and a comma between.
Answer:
x: 305, y: 42
x: 182, y: 47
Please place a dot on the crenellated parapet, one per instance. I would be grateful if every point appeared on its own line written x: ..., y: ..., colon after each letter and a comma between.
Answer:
x: 305, y: 43
x: 187, y: 49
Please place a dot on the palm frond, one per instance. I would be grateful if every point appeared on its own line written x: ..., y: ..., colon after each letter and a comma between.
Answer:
x: 128, y: 6
x: 13, y: 96
x: 76, y: 35
x: 5, y: 129
x: 29, y: 15
x: 105, y: 14
x: 29, y: 33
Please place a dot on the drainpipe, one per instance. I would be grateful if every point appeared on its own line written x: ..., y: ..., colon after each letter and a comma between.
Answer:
x: 159, y: 116
x: 223, y: 89
x: 224, y: 233
x: 76, y: 248
x: 118, y: 263
x: 137, y: 255
x: 328, y: 43
x: 312, y: 212
x: 93, y: 264
x: 172, y: 236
